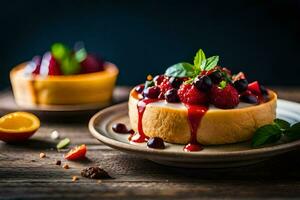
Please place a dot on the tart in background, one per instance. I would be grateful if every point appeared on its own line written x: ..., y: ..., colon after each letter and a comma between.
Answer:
x: 64, y: 77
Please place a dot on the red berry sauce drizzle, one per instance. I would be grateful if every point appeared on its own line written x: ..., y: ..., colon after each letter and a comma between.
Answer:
x: 140, y: 136
x: 195, y: 114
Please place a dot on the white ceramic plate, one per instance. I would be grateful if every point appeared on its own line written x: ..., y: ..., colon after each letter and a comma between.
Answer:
x: 218, y: 156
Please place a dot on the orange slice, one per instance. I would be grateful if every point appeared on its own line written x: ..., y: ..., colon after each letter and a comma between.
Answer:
x: 18, y: 126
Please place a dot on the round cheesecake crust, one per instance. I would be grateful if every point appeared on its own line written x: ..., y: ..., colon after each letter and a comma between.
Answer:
x: 218, y: 126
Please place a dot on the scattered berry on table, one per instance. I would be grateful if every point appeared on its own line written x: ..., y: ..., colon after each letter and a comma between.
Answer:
x: 42, y: 155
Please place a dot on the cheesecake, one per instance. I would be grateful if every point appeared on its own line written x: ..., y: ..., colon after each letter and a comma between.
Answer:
x: 169, y: 121
x: 199, y: 104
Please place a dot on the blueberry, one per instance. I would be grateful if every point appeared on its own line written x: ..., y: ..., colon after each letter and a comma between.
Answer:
x: 175, y: 82
x: 249, y: 98
x: 216, y: 76
x: 156, y: 143
x: 152, y: 92
x: 139, y: 88
x: 120, y: 128
x: 203, y: 83
x: 171, y: 96
x: 241, y: 85
x: 263, y: 90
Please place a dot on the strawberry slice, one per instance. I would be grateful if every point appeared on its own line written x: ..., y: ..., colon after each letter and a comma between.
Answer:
x: 76, y: 153
x: 254, y: 88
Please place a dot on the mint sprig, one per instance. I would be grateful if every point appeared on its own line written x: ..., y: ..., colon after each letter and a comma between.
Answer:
x: 293, y: 133
x: 180, y: 70
x: 210, y: 63
x: 266, y: 134
x: 282, y: 124
x: 272, y: 133
x: 201, y: 63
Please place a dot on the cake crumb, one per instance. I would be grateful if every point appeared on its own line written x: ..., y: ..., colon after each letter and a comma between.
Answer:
x: 55, y: 135
x: 66, y: 166
x: 42, y: 155
x: 75, y: 178
x: 58, y: 162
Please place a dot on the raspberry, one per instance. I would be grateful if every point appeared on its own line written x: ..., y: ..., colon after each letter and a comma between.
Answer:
x: 224, y: 98
x: 158, y: 79
x: 189, y: 94
x: 165, y: 85
x: 254, y: 87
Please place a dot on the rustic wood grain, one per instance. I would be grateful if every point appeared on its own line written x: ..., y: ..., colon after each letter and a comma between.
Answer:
x: 23, y: 175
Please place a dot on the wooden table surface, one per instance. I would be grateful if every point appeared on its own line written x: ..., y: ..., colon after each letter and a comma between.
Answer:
x: 23, y: 175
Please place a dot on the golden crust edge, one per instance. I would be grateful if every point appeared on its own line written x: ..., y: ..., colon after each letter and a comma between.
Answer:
x: 217, y: 126
x: 60, y: 90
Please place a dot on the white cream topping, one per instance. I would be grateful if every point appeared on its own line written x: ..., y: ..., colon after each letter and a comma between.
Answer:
x: 163, y: 103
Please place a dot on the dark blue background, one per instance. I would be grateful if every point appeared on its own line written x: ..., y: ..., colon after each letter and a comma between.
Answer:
x: 142, y: 37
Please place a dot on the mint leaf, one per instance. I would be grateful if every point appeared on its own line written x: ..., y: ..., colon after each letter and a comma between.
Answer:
x: 211, y: 62
x: 200, y: 56
x: 222, y: 84
x: 149, y: 84
x: 189, y: 81
x: 266, y: 134
x: 293, y: 133
x: 180, y: 70
x: 203, y: 64
x: 282, y: 124
x: 80, y: 55
x: 63, y: 143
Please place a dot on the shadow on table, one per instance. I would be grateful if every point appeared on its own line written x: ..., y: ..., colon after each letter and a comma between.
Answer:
x: 34, y: 144
x: 279, y: 168
x: 283, y: 167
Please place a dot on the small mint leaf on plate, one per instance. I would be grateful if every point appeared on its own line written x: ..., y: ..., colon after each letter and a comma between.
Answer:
x: 293, y: 133
x: 211, y: 62
x: 282, y: 124
x: 266, y: 134
x: 180, y: 70
x: 199, y: 58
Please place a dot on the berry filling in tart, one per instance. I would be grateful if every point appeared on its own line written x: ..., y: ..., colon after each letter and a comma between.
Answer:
x: 64, y: 76
x: 62, y: 60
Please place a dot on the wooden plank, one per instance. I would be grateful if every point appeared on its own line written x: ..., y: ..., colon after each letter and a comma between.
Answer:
x: 23, y: 175
x: 140, y: 178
